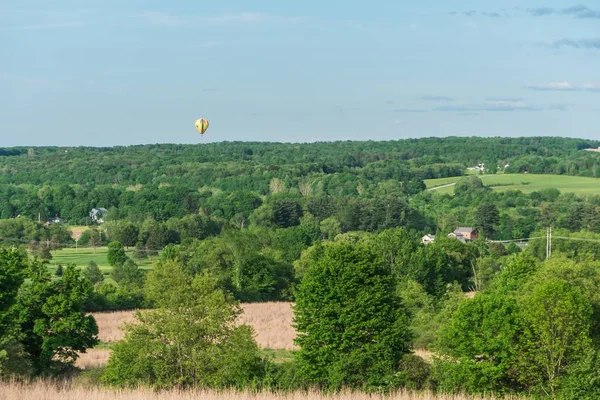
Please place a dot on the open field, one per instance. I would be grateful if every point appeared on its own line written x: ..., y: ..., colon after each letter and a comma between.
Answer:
x: 526, y: 183
x: 83, y: 255
x: 271, y: 321
x: 47, y: 391
x: 77, y: 230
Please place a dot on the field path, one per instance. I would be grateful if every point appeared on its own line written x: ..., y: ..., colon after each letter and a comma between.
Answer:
x: 442, y: 186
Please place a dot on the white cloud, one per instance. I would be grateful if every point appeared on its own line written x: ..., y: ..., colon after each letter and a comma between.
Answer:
x: 170, y: 20
x: 566, y: 86
x: 251, y: 17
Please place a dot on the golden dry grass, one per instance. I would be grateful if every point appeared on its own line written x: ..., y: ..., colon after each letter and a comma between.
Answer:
x: 271, y: 321
x: 46, y: 391
x: 77, y: 231
x: 93, y: 358
x: 110, y: 323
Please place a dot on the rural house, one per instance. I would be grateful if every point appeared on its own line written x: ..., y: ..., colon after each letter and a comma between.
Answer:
x: 428, y: 239
x: 98, y: 214
x: 464, y: 234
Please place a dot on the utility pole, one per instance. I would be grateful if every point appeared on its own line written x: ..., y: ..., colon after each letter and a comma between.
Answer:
x: 548, y: 242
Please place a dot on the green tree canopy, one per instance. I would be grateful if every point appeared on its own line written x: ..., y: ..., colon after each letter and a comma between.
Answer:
x: 352, y: 326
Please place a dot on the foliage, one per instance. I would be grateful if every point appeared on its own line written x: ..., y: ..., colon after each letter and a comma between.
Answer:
x: 92, y: 273
x: 557, y: 318
x: 352, y: 328
x: 116, y: 254
x: 192, y: 335
x: 53, y: 324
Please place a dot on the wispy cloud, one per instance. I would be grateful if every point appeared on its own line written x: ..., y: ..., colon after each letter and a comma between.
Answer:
x: 252, y: 17
x: 538, y: 12
x: 577, y: 11
x: 436, y: 98
x: 473, y: 13
x: 492, y: 14
x: 501, y: 106
x: 566, y: 87
x: 171, y: 20
x: 577, y: 44
x: 514, y: 99
x: 409, y: 110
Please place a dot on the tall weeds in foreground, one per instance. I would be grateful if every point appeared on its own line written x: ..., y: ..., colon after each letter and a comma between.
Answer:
x: 44, y: 390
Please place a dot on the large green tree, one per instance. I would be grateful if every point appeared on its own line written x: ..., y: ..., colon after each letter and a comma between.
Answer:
x: 53, y: 324
x: 487, y: 218
x: 353, y: 328
x: 13, y: 266
x: 558, y: 318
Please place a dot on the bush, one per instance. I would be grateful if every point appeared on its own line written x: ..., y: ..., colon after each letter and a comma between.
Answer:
x: 414, y: 373
x: 190, y: 340
x: 582, y: 380
x: 285, y: 377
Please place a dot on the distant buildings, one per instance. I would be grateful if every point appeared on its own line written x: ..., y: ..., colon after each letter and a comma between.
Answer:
x: 464, y: 234
x: 55, y: 220
x: 479, y: 167
x: 428, y: 239
x: 97, y: 215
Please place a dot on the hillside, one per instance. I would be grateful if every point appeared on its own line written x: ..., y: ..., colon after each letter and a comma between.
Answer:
x: 526, y: 183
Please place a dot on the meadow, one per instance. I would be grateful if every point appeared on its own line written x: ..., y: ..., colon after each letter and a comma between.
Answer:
x: 272, y: 323
x: 83, y: 255
x: 44, y: 390
x: 526, y: 183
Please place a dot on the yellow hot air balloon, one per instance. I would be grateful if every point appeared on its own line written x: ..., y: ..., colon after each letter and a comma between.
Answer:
x: 201, y: 125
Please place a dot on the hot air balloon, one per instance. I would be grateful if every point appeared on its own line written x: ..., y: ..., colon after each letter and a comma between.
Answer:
x: 201, y: 125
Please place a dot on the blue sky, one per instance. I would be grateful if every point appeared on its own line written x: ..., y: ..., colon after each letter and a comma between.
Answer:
x: 129, y: 72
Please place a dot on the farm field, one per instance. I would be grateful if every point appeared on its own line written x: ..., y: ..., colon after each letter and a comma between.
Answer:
x: 83, y: 255
x: 272, y: 322
x: 42, y: 390
x: 526, y: 183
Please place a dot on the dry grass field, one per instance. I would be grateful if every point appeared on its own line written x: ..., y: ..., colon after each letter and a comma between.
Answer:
x: 272, y: 323
x: 110, y: 323
x: 47, y: 391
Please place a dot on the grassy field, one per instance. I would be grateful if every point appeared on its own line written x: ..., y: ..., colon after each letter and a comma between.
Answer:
x: 82, y: 256
x: 46, y: 390
x: 272, y: 323
x: 526, y: 183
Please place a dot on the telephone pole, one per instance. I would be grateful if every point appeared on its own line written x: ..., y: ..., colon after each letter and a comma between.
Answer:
x: 548, y: 242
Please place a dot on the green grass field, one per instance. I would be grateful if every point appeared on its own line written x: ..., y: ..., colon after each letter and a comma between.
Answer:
x: 82, y: 256
x: 526, y: 183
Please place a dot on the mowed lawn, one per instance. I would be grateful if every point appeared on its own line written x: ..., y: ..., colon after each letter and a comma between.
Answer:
x: 526, y: 183
x: 82, y: 256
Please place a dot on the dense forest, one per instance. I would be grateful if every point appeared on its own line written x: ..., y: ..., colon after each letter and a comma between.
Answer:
x: 335, y: 228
